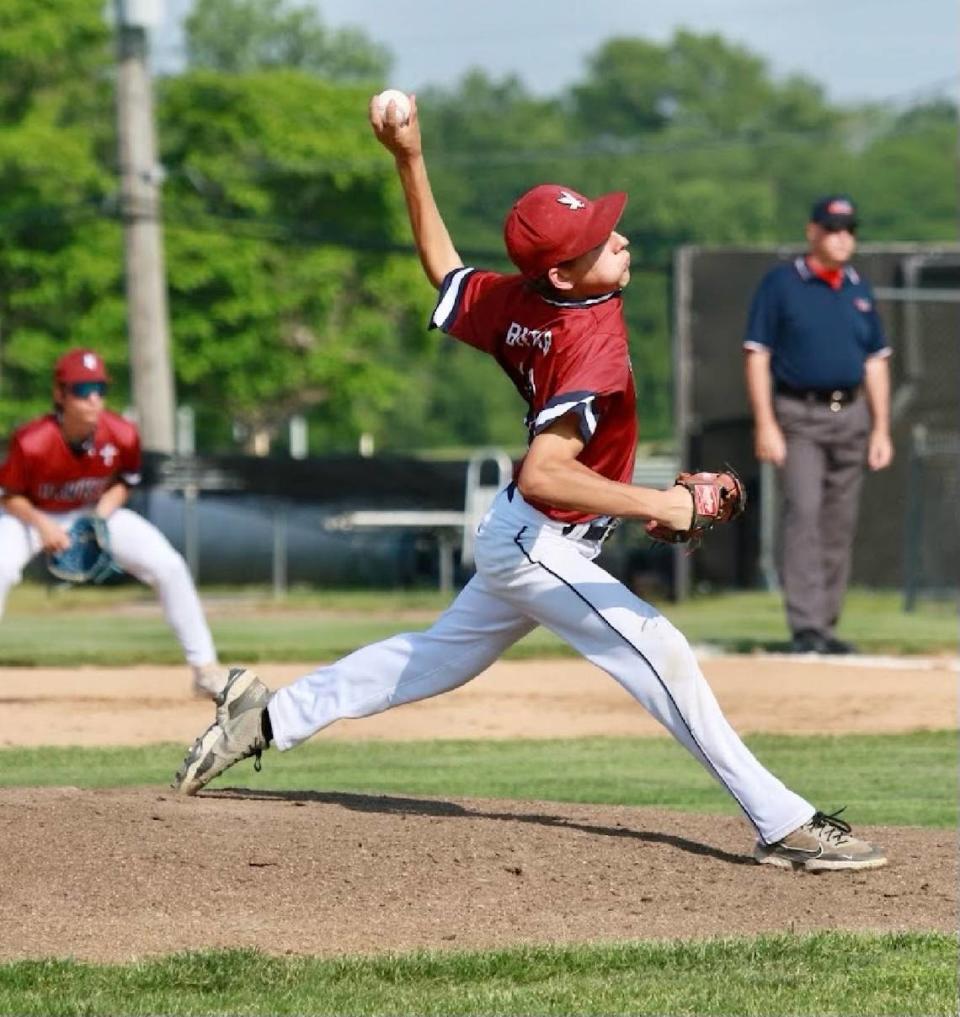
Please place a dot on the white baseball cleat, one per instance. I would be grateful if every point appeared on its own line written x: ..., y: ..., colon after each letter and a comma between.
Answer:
x: 824, y: 843
x: 237, y: 733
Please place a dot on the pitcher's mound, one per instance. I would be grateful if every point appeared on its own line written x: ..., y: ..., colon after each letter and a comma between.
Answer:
x: 116, y: 874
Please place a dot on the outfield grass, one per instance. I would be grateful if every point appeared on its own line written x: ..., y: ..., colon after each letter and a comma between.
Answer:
x: 320, y: 626
x: 823, y: 973
x: 906, y: 779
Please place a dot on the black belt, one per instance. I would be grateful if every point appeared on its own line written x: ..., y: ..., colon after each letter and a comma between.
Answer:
x: 579, y: 531
x: 591, y: 531
x: 835, y: 398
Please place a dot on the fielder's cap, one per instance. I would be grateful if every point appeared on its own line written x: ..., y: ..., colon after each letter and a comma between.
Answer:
x: 835, y: 211
x: 551, y: 224
x: 80, y: 365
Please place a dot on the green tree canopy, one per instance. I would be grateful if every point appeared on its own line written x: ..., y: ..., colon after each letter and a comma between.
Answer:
x: 239, y: 36
x: 60, y: 258
x: 289, y: 289
x: 907, y: 176
x: 293, y: 284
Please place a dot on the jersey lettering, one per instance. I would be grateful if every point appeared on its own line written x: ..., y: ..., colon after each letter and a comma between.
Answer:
x: 534, y: 338
x: 85, y: 490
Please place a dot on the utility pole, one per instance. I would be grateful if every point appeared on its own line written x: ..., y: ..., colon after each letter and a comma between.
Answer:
x: 140, y: 180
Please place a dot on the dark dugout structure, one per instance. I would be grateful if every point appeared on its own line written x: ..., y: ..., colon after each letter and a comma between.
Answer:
x: 907, y: 535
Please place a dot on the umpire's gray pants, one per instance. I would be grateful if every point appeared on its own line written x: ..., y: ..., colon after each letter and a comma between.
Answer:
x: 820, y: 487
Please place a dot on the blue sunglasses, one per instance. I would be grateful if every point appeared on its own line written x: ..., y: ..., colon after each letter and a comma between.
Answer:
x: 85, y: 389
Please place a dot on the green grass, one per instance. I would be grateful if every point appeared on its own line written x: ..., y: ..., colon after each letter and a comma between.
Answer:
x: 874, y: 621
x: 824, y: 973
x: 908, y: 779
x: 319, y: 626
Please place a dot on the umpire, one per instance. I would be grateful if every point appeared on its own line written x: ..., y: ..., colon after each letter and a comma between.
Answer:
x: 818, y: 381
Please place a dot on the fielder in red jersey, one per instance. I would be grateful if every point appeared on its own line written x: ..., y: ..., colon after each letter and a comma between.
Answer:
x: 56, y: 476
x: 557, y: 331
x: 82, y: 459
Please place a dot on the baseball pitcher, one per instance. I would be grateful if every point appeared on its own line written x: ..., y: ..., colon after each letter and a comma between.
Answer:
x: 556, y: 327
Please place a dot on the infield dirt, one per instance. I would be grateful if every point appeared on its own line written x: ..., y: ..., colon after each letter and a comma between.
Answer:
x: 117, y: 874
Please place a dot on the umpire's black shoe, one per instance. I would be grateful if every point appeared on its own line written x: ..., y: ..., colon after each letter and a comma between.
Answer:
x: 838, y: 646
x: 808, y: 641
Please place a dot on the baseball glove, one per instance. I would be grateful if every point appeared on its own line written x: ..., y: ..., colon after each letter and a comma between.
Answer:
x: 88, y: 558
x: 717, y: 498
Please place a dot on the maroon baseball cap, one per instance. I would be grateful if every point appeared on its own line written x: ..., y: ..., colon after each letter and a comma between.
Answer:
x: 80, y: 365
x: 551, y: 224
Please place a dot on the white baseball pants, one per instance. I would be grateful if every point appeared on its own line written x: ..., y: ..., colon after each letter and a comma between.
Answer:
x: 138, y: 548
x: 529, y: 573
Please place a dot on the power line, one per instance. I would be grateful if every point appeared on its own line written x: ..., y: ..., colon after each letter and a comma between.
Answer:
x: 271, y: 230
x: 602, y: 147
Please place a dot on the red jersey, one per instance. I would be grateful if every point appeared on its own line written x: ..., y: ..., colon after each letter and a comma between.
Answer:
x: 57, y: 477
x: 563, y: 357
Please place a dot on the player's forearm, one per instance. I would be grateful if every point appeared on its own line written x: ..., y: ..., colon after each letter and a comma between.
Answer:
x: 876, y: 383
x: 568, y: 484
x: 113, y: 498
x: 759, y: 393
x: 437, y: 253
x: 20, y: 507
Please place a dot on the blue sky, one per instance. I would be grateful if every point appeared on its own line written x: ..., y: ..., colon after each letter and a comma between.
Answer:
x: 857, y: 49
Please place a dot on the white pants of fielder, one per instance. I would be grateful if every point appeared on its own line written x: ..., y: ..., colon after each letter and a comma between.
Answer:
x: 529, y: 574
x: 139, y: 548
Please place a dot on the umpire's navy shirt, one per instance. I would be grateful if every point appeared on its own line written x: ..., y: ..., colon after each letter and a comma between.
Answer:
x: 818, y: 336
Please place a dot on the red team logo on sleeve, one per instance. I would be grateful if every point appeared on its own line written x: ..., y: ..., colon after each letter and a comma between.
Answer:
x: 56, y: 478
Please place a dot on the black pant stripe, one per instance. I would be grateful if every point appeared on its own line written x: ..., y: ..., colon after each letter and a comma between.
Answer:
x: 643, y: 657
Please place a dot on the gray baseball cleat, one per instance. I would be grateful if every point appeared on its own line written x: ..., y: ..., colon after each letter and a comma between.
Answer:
x: 237, y: 733
x: 822, y: 844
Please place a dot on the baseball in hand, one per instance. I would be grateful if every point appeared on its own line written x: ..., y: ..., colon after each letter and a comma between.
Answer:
x: 399, y: 99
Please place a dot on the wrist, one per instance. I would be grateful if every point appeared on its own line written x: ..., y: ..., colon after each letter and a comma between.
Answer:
x: 681, y: 503
x: 405, y: 160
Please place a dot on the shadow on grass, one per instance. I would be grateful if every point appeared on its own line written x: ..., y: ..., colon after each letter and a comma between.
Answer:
x: 394, y: 805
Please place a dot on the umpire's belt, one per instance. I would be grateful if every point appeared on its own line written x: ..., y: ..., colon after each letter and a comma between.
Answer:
x: 596, y: 529
x: 835, y: 398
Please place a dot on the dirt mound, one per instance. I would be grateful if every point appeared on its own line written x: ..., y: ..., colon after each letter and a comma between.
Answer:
x: 113, y: 875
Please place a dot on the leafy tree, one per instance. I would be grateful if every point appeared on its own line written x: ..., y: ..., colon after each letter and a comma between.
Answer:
x: 700, y: 85
x: 60, y: 260
x: 293, y: 283
x: 907, y: 176
x: 49, y: 48
x: 239, y: 36
x: 283, y: 220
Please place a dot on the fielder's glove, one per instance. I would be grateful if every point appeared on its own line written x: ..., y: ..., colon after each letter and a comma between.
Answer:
x: 717, y: 498
x: 88, y: 558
